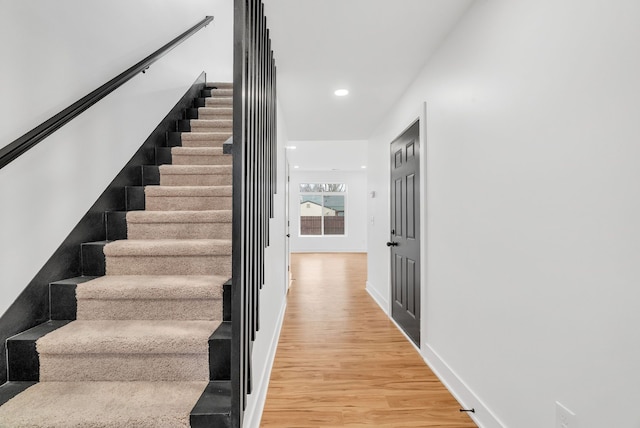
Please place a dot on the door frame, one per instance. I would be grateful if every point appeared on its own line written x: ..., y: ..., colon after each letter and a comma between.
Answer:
x: 287, y: 222
x: 421, y: 116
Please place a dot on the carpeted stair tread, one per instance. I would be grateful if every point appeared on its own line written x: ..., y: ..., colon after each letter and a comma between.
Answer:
x: 197, y: 151
x: 205, y: 139
x: 200, y: 156
x: 168, y: 257
x: 211, y: 224
x: 180, y: 191
x: 188, y: 198
x: 103, y: 405
x: 225, y: 92
x: 195, y: 175
x: 206, y: 136
x: 220, y: 85
x: 151, y: 297
x: 217, y: 216
x: 128, y: 337
x: 196, y: 169
x: 152, y: 287
x: 218, y: 101
x: 211, y: 124
x: 168, y: 247
x: 133, y: 350
x: 215, y: 112
x: 188, y: 202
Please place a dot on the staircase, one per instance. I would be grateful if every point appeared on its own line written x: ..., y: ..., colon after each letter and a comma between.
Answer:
x: 142, y: 339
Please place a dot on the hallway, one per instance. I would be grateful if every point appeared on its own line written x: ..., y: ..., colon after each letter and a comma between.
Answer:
x: 342, y: 363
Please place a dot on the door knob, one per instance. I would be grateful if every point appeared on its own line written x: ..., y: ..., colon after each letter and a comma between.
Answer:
x: 392, y: 244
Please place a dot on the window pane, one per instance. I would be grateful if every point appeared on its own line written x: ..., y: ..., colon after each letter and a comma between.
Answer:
x: 322, y: 187
x: 336, y: 187
x: 333, y: 215
x: 310, y: 215
x: 311, y: 187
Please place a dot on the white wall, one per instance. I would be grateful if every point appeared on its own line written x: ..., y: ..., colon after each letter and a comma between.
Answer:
x: 531, y: 267
x: 355, y: 238
x: 272, y: 295
x: 53, y: 54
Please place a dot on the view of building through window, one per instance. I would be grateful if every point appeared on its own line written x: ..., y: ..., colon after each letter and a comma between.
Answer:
x: 322, y: 209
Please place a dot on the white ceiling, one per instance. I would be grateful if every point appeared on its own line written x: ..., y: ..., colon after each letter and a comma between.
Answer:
x: 374, y: 48
x: 327, y: 155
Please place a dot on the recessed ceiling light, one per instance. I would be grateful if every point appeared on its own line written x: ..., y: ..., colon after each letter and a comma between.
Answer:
x: 290, y: 147
x: 341, y: 92
x: 363, y: 167
x: 296, y: 167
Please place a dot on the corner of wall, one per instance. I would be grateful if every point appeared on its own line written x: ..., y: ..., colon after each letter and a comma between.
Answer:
x: 482, y: 416
x: 382, y: 301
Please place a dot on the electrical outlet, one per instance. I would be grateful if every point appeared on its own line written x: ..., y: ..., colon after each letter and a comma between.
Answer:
x: 565, y: 418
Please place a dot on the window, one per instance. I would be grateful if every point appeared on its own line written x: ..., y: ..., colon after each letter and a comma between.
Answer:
x: 322, y: 209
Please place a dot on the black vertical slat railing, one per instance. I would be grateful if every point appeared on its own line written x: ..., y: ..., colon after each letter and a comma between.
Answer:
x: 254, y: 184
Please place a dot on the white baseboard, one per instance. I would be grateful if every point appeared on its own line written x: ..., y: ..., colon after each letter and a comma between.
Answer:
x: 378, y: 298
x: 256, y: 400
x: 483, y: 417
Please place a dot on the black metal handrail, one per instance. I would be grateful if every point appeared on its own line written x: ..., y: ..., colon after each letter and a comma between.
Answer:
x: 254, y: 185
x: 16, y: 148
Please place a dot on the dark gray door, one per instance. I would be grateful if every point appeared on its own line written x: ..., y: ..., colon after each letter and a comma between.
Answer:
x: 405, y: 231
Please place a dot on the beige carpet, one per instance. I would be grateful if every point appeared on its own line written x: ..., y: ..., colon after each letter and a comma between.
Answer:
x: 198, y: 156
x: 169, y: 297
x: 169, y: 257
x: 205, y: 139
x: 179, y: 224
x: 188, y: 198
x: 126, y: 350
x: 138, y: 353
x: 102, y: 405
x: 195, y: 175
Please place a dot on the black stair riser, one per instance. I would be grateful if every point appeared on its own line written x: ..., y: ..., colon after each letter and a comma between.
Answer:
x: 116, y: 224
x: 174, y: 139
x: 213, y: 408
x: 150, y: 175
x: 134, y: 196
x: 163, y: 156
x: 200, y: 102
x: 63, y: 301
x: 62, y: 298
x: 206, y: 93
x: 93, y: 261
x: 184, y: 125
x: 191, y: 113
x: 227, y: 146
x: 23, y: 363
x: 220, y: 352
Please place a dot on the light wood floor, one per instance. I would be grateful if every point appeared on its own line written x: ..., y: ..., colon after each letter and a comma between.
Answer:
x: 340, y: 362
